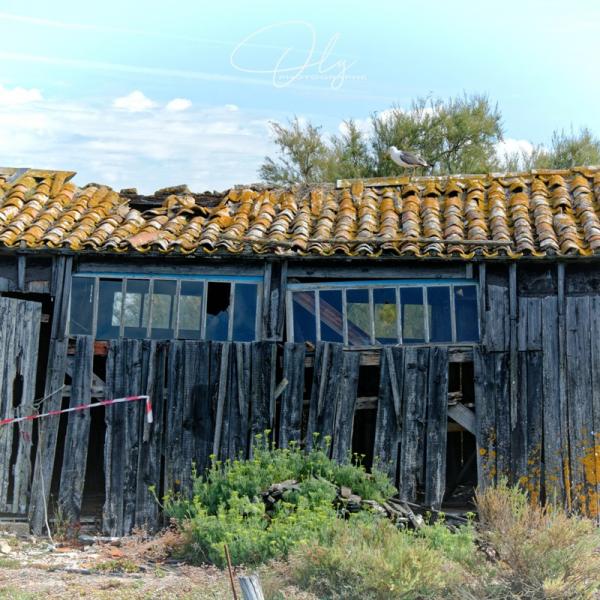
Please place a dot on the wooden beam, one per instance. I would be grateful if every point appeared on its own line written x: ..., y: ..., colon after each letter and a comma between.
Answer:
x: 463, y: 416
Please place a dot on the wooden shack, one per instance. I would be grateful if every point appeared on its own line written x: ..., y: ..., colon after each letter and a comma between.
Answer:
x: 447, y: 327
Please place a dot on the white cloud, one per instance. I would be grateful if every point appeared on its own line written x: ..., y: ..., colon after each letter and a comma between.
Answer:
x: 134, y: 102
x: 511, y: 146
x: 18, y: 95
x: 207, y: 148
x: 178, y: 104
x: 232, y: 107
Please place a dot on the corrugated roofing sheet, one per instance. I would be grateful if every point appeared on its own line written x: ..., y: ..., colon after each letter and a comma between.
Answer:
x: 537, y: 214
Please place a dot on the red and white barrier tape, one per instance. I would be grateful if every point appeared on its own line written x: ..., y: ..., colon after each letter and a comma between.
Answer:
x: 52, y: 413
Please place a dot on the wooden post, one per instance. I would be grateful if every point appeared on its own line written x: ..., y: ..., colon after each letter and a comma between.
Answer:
x: 251, y: 588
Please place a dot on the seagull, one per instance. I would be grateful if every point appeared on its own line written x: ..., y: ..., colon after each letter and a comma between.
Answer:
x: 406, y: 159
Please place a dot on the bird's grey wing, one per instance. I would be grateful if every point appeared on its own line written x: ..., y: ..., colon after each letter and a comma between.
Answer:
x: 413, y: 159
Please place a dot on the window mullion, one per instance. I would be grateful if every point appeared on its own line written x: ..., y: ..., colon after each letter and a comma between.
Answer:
x: 344, y: 318
x: 150, y: 295
x: 231, y: 311
x: 398, y: 316
x: 203, y: 309
x: 95, y: 306
x: 317, y: 315
x: 176, y: 309
x: 371, y: 316
x: 426, y: 314
x: 122, y: 317
x: 452, y: 314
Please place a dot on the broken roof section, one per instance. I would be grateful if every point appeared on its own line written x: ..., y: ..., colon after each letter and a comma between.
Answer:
x: 538, y: 213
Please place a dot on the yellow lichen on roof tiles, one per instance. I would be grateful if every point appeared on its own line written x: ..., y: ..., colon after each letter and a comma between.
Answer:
x: 538, y: 213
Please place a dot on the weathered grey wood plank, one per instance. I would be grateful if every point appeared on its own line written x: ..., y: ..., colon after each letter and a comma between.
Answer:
x: 416, y: 361
x: 436, y: 427
x: 292, y: 399
x: 345, y: 404
x: 485, y: 412
x: 72, y: 475
x: 262, y: 387
x: 389, y: 411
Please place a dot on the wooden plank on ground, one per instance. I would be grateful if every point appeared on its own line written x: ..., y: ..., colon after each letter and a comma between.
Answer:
x: 73, y: 472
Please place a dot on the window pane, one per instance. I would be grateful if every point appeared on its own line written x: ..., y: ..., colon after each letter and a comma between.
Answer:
x: 109, y: 309
x: 467, y: 317
x: 440, y: 322
x: 244, y: 319
x: 413, y: 316
x: 332, y: 322
x: 217, y: 310
x: 82, y: 306
x: 136, y: 308
x: 386, y: 316
x: 163, y: 309
x: 359, y: 317
x: 190, y: 310
x: 303, y: 307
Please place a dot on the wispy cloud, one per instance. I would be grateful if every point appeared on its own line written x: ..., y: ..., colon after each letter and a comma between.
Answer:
x: 18, y: 95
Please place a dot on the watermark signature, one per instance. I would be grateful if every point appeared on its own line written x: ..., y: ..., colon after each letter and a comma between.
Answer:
x: 286, y: 69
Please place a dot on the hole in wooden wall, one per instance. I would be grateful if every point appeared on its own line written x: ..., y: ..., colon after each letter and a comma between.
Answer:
x: 363, y: 434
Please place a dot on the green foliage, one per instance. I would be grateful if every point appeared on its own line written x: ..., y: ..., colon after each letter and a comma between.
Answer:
x: 457, y: 135
x: 543, y: 552
x: 371, y: 559
x: 227, y: 505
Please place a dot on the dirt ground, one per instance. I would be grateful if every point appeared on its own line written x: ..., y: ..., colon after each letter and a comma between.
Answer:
x: 132, y: 568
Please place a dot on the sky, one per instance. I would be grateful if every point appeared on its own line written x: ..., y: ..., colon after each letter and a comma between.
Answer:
x: 153, y: 94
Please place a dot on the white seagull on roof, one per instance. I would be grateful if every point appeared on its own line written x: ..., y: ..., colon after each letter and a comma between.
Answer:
x: 406, y: 159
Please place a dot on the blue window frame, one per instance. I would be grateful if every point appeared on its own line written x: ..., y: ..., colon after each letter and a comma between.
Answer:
x: 113, y: 305
x: 372, y: 313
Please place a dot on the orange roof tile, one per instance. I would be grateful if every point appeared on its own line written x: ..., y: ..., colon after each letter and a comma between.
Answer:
x: 539, y: 213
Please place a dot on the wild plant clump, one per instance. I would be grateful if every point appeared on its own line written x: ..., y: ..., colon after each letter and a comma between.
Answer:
x: 227, y: 504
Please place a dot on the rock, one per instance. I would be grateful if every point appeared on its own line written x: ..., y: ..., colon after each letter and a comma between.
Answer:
x: 5, y: 547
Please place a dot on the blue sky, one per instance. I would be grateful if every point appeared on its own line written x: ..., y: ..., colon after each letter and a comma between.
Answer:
x: 150, y: 94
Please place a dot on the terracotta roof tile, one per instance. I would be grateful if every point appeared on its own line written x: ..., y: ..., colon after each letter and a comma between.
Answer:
x: 537, y: 213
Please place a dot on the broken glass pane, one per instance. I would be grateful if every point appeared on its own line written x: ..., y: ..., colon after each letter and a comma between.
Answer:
x: 190, y: 310
x: 359, y: 317
x: 413, y: 315
x: 244, y: 316
x: 218, y: 300
x: 386, y: 316
x: 82, y: 306
x: 332, y: 321
x: 303, y: 305
x: 440, y: 321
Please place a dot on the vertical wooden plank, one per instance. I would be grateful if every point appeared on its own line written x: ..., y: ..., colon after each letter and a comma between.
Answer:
x: 47, y: 435
x: 292, y: 399
x: 263, y: 367
x: 496, y: 325
x: 416, y: 361
x: 208, y: 380
x: 114, y: 444
x: 150, y: 457
x: 60, y: 289
x: 389, y: 414
x: 72, y: 476
x: 437, y: 427
x: 518, y: 437
x: 345, y: 404
x: 174, y: 420
x: 593, y: 457
x: 226, y: 374
x: 513, y: 366
x: 26, y: 344
x: 485, y: 414
x: 500, y: 389
x: 553, y: 426
x: 327, y: 378
x: 534, y: 417
x: 579, y: 400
